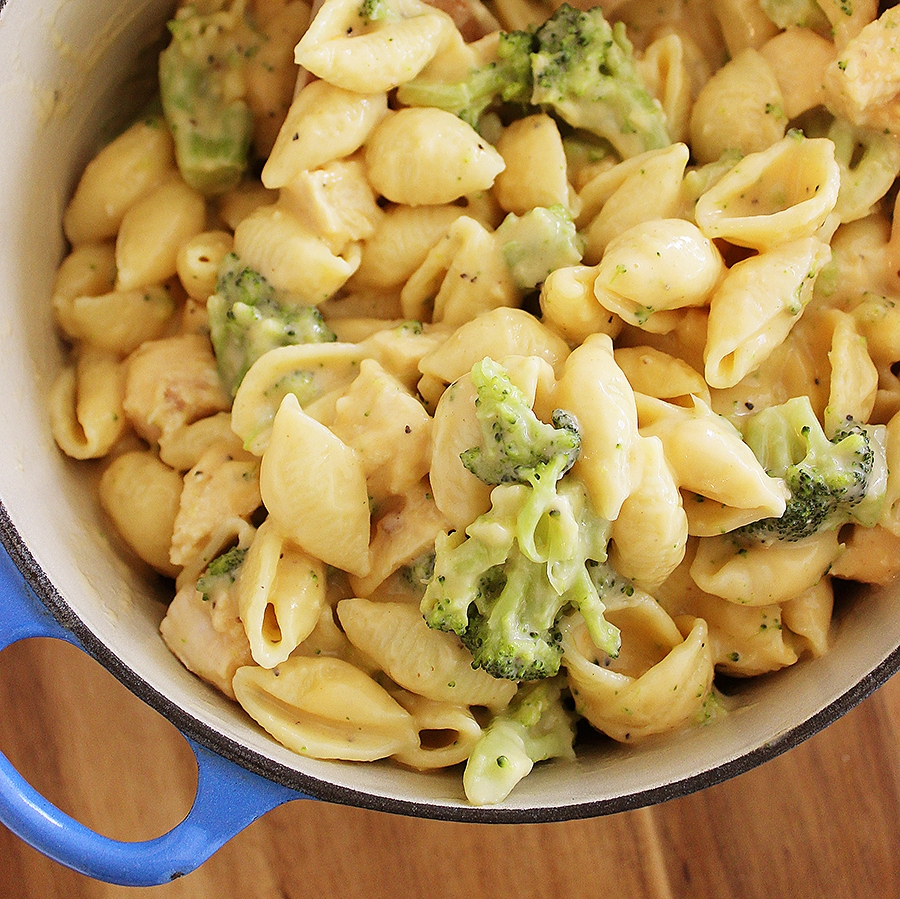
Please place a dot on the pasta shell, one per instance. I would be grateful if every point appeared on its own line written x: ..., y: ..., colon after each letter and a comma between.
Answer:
x: 325, y: 708
x: 281, y: 591
x: 424, y: 661
x: 631, y: 708
x: 780, y: 194
x: 314, y: 486
x: 425, y: 156
x: 762, y: 574
x: 343, y: 48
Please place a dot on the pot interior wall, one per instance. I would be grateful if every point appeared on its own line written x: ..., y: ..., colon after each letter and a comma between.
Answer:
x: 70, y: 77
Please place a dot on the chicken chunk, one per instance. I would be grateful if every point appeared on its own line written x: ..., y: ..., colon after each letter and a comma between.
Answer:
x: 223, y: 485
x: 170, y: 383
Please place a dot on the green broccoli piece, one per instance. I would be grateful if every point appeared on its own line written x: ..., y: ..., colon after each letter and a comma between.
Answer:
x: 832, y: 482
x: 248, y: 317
x: 417, y: 573
x: 575, y: 66
x: 535, y: 726
x: 800, y: 13
x: 583, y: 149
x: 537, y: 243
x: 374, y: 11
x: 515, y: 442
x: 221, y: 573
x: 505, y: 606
x: 210, y: 121
x: 611, y: 586
x: 505, y: 80
x: 513, y: 632
x: 584, y: 71
x: 503, y: 585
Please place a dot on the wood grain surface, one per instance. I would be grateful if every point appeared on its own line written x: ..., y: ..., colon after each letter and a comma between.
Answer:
x: 820, y: 821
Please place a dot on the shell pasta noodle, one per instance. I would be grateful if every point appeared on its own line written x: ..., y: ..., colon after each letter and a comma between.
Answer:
x: 478, y: 375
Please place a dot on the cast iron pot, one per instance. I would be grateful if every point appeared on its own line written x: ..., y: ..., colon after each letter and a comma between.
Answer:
x: 72, y: 71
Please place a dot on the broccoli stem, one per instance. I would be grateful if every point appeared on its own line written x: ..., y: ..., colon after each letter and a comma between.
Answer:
x: 211, y: 124
x: 535, y: 726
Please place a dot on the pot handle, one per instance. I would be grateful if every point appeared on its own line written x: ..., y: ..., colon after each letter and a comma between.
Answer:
x: 228, y: 799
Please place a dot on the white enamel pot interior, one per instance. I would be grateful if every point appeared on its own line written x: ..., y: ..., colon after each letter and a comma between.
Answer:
x: 68, y: 70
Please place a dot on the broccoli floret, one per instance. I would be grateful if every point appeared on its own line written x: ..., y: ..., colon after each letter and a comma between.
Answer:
x: 221, y: 573
x: 505, y: 80
x: 535, y: 726
x: 584, y: 70
x: 575, y: 66
x: 611, y: 586
x: 537, y: 243
x: 505, y: 606
x: 373, y: 11
x: 512, y: 633
x: 248, y: 317
x: 211, y: 123
x: 417, y: 573
x: 515, y: 442
x: 583, y: 149
x: 801, y: 13
x: 832, y: 482
x: 503, y: 585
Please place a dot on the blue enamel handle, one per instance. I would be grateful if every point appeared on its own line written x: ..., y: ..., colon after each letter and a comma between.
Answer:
x: 228, y: 799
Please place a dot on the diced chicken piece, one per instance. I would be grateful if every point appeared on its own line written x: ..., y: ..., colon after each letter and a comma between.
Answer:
x: 223, y: 485
x: 170, y: 383
x: 337, y: 199
x: 387, y: 428
x: 401, y: 534
x: 207, y: 636
x: 863, y: 83
x: 473, y: 19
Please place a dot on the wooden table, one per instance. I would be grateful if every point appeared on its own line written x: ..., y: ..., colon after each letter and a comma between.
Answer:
x: 821, y: 821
